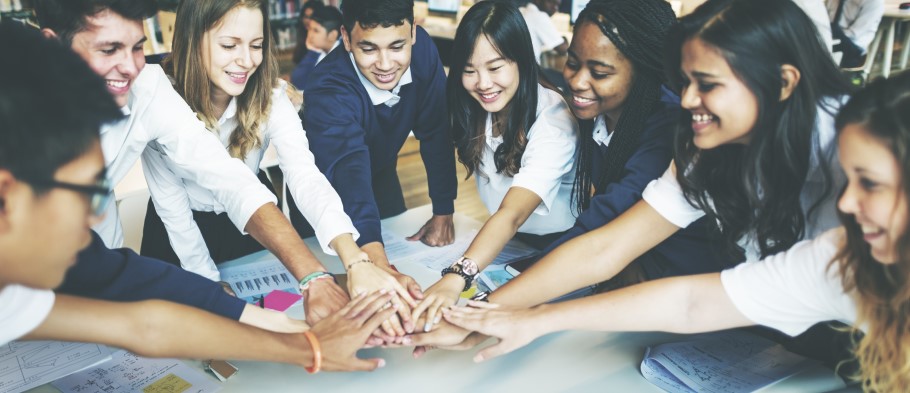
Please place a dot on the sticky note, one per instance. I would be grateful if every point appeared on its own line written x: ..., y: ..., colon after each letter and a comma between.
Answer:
x: 281, y: 300
x: 168, y: 384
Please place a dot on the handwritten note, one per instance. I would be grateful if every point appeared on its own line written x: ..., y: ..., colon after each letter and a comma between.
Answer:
x: 730, y: 361
x: 26, y: 364
x: 127, y: 372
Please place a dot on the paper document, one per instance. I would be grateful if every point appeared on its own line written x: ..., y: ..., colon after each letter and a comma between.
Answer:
x: 400, y: 250
x: 126, y: 372
x: 729, y: 361
x: 26, y: 364
x: 253, y: 280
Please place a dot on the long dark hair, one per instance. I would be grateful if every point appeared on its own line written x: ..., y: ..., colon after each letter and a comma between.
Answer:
x: 504, y: 26
x: 755, y: 188
x: 638, y: 29
x: 883, y: 111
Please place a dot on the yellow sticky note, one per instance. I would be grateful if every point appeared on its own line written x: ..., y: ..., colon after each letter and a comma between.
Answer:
x: 168, y: 384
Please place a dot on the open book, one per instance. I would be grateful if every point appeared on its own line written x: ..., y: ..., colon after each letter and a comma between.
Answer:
x: 727, y: 361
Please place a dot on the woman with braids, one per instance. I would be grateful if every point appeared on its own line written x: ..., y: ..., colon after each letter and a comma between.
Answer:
x: 515, y: 133
x: 756, y: 152
x: 858, y: 274
x: 224, y: 66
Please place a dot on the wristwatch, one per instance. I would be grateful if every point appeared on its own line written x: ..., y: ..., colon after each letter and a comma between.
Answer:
x: 464, y: 267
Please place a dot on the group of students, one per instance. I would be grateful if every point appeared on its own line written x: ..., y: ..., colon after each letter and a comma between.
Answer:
x: 679, y: 148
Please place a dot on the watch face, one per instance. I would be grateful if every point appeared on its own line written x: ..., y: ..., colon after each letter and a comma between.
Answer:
x: 469, y: 267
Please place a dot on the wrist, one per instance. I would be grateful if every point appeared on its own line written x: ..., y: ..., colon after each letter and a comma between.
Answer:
x: 357, y: 263
x: 314, y: 278
x: 541, y: 321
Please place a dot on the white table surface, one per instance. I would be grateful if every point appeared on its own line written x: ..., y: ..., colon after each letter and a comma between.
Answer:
x: 561, y: 362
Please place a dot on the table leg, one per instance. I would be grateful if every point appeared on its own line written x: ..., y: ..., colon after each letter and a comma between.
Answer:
x: 889, y: 48
x: 873, y: 51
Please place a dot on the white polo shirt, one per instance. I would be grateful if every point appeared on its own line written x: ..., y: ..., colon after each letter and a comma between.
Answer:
x: 22, y: 309
x: 547, y: 167
x: 543, y: 34
x: 158, y: 117
x: 795, y: 289
x: 665, y: 194
x: 174, y: 198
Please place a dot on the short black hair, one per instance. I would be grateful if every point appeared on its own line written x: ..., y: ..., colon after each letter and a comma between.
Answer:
x: 371, y: 13
x: 328, y: 17
x: 68, y: 17
x: 51, y: 104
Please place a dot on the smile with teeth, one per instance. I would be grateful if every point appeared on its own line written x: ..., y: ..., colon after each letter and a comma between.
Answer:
x: 871, y: 230
x: 117, y: 84
x: 702, y: 118
x: 581, y: 101
x: 489, y: 97
x: 385, y: 78
x: 237, y: 77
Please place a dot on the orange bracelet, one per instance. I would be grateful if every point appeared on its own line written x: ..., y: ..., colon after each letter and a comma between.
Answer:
x: 317, y: 352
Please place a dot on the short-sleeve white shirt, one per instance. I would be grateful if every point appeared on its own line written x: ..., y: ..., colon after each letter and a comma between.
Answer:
x: 22, y: 309
x: 859, y: 20
x: 543, y: 34
x: 158, y: 117
x: 547, y: 167
x: 795, y: 289
x: 665, y: 194
x: 318, y: 201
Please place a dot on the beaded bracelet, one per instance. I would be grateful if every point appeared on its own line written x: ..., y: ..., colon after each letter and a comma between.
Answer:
x: 317, y: 352
x: 314, y: 276
x: 363, y: 260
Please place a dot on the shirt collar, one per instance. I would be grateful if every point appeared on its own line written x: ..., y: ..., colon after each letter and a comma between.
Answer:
x: 229, y: 112
x: 377, y: 95
x: 601, y: 134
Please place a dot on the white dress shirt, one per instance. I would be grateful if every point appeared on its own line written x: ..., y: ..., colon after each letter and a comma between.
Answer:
x: 379, y: 96
x: 666, y: 196
x: 314, y: 195
x: 794, y: 289
x: 158, y: 118
x: 22, y: 309
x: 547, y: 167
x: 543, y: 34
x: 859, y: 20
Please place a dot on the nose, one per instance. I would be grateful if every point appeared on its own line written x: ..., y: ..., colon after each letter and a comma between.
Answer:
x: 130, y: 64
x: 690, y: 99
x: 577, y: 81
x: 484, y: 81
x: 385, y: 61
x: 245, y: 58
x: 848, y: 200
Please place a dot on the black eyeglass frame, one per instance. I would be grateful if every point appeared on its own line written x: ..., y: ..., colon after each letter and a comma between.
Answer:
x: 99, y: 194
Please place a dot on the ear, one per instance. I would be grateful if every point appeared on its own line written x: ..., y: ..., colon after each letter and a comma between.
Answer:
x: 48, y: 33
x: 414, y: 34
x: 7, y: 181
x: 789, y: 76
x: 346, y: 38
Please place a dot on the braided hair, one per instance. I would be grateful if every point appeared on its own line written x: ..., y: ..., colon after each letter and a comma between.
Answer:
x: 638, y: 29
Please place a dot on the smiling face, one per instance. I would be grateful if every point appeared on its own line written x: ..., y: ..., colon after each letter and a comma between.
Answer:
x: 112, y: 47
x: 598, y: 75
x: 490, y: 78
x: 874, y: 194
x: 60, y: 214
x: 382, y: 54
x: 723, y: 108
x: 232, y: 51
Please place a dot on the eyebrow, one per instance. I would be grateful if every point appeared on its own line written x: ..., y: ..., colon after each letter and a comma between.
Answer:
x: 702, y: 74
x: 368, y: 43
x: 239, y: 39
x: 500, y: 58
x: 593, y: 62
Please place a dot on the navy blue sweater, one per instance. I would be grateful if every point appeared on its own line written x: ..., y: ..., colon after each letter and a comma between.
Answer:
x: 688, y: 251
x: 352, y: 139
x: 302, y: 72
x: 123, y: 275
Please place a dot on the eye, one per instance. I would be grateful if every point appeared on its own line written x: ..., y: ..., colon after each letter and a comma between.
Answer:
x: 366, y: 50
x: 137, y: 48
x: 109, y: 51
x: 398, y: 47
x: 599, y: 75
x: 468, y: 72
x: 228, y: 46
x: 495, y: 68
x: 867, y: 184
x: 706, y: 87
x: 256, y: 47
x: 572, y: 65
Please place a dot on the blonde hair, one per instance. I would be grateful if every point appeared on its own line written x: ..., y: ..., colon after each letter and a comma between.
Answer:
x: 882, y: 291
x: 186, y: 66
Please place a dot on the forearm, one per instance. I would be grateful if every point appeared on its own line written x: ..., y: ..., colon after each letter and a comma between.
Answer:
x: 275, y: 233
x: 157, y: 328
x: 688, y: 304
x: 347, y: 249
x: 271, y: 320
x: 588, y: 259
x: 493, y: 237
x: 376, y: 252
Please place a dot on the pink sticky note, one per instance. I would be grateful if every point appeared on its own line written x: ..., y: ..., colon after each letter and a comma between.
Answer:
x: 281, y: 300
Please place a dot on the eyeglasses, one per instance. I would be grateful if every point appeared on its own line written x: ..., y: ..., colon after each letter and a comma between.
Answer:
x: 99, y: 193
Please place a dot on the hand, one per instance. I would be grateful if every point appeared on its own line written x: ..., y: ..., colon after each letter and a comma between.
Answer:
x: 227, y: 288
x: 445, y: 336
x: 514, y: 327
x: 406, y: 281
x: 322, y: 298
x: 438, y: 231
x: 442, y: 294
x: 365, y: 277
x: 344, y: 332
